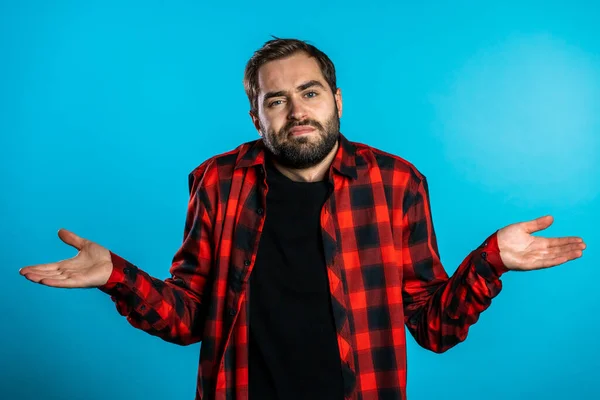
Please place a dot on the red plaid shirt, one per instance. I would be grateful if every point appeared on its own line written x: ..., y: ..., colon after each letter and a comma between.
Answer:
x: 382, y: 262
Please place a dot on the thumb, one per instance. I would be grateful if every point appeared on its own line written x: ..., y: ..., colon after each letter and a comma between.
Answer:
x: 538, y: 224
x: 71, y: 239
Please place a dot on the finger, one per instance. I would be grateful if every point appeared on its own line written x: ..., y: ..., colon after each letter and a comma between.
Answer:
x: 538, y: 224
x: 37, y: 278
x: 60, y: 265
x: 71, y: 239
x: 558, y: 251
x: 556, y: 242
x: 68, y: 282
x: 55, y: 272
x: 557, y: 259
x: 551, y: 262
x: 565, y: 249
x: 40, y: 267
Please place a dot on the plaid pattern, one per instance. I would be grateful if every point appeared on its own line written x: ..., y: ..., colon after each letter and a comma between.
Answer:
x: 382, y: 261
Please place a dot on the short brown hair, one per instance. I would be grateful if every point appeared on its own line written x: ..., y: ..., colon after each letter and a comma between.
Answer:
x: 280, y: 48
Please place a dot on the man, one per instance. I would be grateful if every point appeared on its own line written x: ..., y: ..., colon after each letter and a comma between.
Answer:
x: 305, y: 255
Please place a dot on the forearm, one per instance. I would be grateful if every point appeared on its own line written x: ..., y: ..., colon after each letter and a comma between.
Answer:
x: 160, y: 308
x: 440, y: 316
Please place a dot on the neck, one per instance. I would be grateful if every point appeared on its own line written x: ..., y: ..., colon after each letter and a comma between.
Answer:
x: 315, y: 173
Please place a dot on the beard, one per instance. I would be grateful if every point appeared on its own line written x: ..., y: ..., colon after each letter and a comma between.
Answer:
x: 303, y: 151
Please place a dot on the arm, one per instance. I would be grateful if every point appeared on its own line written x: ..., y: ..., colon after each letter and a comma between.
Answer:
x: 439, y: 310
x: 173, y: 309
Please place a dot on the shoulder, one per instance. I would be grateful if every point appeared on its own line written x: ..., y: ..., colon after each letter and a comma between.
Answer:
x: 389, y: 164
x: 219, y: 167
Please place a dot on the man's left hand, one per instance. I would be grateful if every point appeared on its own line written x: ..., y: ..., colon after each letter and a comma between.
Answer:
x: 521, y: 251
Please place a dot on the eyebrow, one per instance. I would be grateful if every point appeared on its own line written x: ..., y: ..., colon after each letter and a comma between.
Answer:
x: 300, y: 88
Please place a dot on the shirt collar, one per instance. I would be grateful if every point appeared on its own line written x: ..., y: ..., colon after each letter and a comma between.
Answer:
x: 343, y: 163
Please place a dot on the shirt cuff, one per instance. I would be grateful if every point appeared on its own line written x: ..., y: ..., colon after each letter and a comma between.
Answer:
x: 117, y: 278
x: 489, y: 253
x: 121, y: 285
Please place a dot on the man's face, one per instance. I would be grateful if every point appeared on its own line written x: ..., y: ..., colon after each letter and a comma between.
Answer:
x: 298, y: 115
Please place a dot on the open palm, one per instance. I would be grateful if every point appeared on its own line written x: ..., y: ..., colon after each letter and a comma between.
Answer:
x: 522, y: 251
x: 91, y: 267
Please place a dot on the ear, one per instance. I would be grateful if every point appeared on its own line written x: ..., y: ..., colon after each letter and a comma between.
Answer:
x: 255, y: 122
x: 338, y: 101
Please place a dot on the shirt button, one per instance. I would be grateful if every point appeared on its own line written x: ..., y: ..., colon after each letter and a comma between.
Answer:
x: 236, y: 282
x: 484, y: 255
x: 143, y: 307
x: 247, y: 263
x: 260, y: 211
x: 232, y: 311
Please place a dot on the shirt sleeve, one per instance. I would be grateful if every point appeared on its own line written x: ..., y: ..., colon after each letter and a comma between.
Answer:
x: 172, y: 309
x: 439, y: 310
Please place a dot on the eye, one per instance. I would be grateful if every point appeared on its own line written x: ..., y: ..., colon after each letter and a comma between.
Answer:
x: 311, y: 94
x: 275, y: 103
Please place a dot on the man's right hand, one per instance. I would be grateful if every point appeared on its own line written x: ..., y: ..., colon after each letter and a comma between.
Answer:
x: 91, y: 267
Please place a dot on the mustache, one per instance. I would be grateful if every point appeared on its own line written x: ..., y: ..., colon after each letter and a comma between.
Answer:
x: 307, y: 122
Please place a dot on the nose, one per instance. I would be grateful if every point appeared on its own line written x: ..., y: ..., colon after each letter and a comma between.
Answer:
x: 297, y: 110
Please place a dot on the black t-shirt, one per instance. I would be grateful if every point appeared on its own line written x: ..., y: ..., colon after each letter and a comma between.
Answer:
x: 293, y: 351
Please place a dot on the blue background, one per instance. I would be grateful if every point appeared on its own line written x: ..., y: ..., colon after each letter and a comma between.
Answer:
x: 106, y: 107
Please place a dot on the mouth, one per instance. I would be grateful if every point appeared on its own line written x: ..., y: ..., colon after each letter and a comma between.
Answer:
x: 301, y: 130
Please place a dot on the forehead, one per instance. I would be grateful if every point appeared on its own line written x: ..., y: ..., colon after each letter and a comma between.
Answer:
x: 289, y: 72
